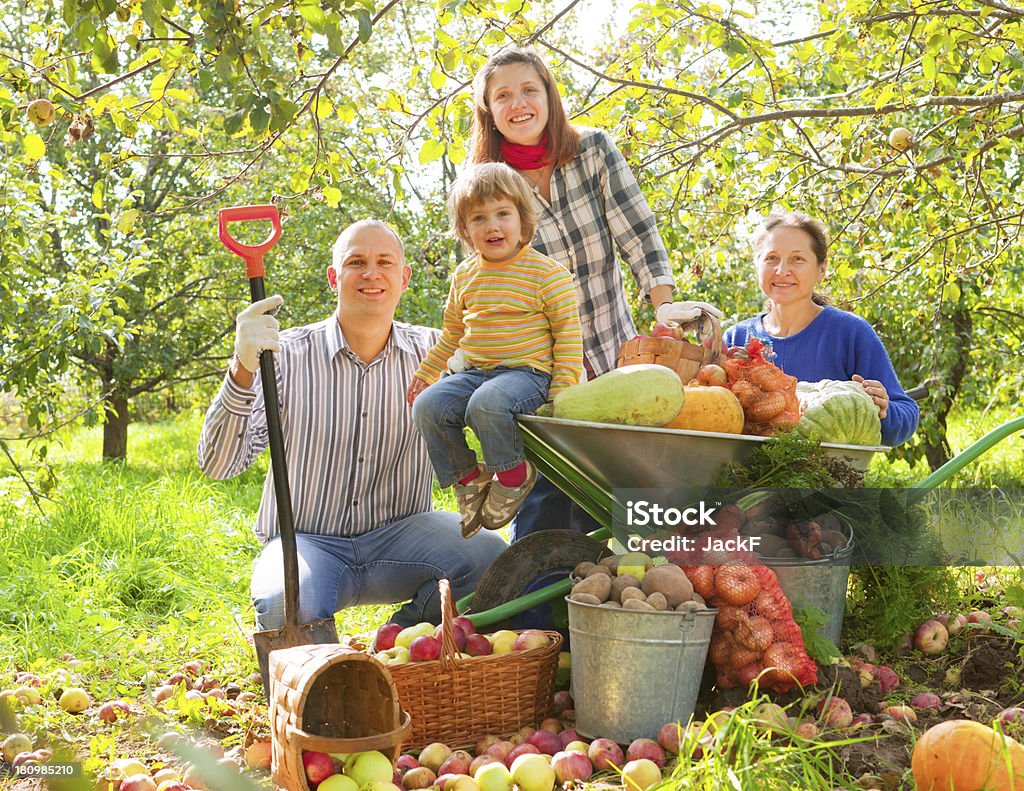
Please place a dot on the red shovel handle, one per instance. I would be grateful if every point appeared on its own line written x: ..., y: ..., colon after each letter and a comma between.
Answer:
x: 253, y: 254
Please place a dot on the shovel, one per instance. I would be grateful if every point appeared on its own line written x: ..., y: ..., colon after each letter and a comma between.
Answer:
x: 292, y: 633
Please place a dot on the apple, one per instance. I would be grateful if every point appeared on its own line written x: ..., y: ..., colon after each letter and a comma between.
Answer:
x: 337, y: 782
x: 640, y: 774
x: 113, y: 709
x: 194, y: 667
x: 926, y: 700
x: 532, y: 773
x: 406, y: 762
x: 562, y: 700
x: 424, y: 649
x: 434, y: 754
x: 806, y: 730
x: 669, y: 736
x: 318, y: 766
x: 139, y: 782
x: 172, y: 785
x: 772, y: 717
x: 901, y: 139
x: 163, y: 775
x: 712, y: 375
x: 605, y: 754
x: 368, y: 766
x: 531, y: 638
x: 162, y: 693
x: 545, y: 741
x: 405, y: 637
x: 552, y: 724
x: 257, y: 754
x: 835, y: 712
x: 979, y: 617
x: 493, y: 776
x: 41, y: 112
x: 1014, y: 714
x: 465, y: 624
x: 646, y: 748
x: 482, y: 760
x: 861, y: 719
x: 570, y: 765
x: 888, y: 679
x: 522, y: 734
x: 380, y: 785
x: 502, y: 641
x: 396, y: 655
x: 126, y: 767
x: 500, y: 750
x: 520, y: 749
x: 14, y: 744
x: 74, y: 700
x: 579, y: 746
x: 456, y: 764
x: 931, y: 637
x: 385, y: 636
x: 955, y: 624
x: 635, y: 563
x: 478, y: 645
x: 27, y: 695
x: 484, y: 742
x: 420, y: 777
x: 904, y: 713
x: 568, y: 735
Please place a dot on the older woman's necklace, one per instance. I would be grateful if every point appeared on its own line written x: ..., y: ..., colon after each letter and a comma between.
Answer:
x: 541, y: 180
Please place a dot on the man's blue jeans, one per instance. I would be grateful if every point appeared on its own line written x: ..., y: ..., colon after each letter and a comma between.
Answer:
x: 487, y: 401
x: 394, y: 563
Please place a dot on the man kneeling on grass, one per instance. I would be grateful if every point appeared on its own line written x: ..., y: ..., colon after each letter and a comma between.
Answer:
x: 358, y: 469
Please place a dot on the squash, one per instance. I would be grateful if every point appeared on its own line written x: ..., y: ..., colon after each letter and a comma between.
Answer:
x: 634, y: 395
x: 962, y: 755
x: 834, y: 411
x: 711, y: 408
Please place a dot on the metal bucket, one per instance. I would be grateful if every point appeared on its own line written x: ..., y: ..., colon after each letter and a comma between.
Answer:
x: 817, y: 583
x: 634, y: 671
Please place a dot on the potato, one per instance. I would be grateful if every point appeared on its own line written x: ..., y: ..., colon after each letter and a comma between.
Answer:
x: 597, y: 585
x: 585, y: 598
x: 690, y: 606
x: 611, y: 563
x: 619, y: 584
x: 600, y: 571
x: 581, y: 569
x: 670, y: 581
x: 631, y: 593
x: 658, y: 601
x: 833, y: 537
x: 696, y: 598
x: 637, y: 604
x: 771, y: 545
x: 612, y: 604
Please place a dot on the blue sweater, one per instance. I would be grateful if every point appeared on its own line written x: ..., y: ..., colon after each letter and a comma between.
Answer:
x: 837, y: 345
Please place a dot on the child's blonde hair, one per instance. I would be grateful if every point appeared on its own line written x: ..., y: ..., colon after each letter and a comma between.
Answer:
x: 490, y: 181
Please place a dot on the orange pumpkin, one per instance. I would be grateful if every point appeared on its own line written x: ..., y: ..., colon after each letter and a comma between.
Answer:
x: 962, y: 755
x: 709, y: 409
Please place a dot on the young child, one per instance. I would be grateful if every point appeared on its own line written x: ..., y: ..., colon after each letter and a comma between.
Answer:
x: 512, y: 323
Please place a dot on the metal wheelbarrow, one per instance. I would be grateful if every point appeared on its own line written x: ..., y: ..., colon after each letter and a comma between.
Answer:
x: 588, y: 461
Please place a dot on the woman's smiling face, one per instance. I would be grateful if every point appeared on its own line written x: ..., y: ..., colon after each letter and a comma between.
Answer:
x: 518, y: 101
x: 787, y: 268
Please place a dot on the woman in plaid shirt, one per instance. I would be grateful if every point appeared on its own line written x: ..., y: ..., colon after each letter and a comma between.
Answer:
x: 590, y: 212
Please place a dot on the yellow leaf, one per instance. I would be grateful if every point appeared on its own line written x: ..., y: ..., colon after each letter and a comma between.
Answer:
x: 456, y: 153
x: 34, y: 147
x: 97, y: 194
x: 126, y: 223
x: 431, y: 150
x: 333, y: 196
x: 156, y: 88
x: 437, y: 79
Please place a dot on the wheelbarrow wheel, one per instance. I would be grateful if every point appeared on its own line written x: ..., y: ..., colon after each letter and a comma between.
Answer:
x: 533, y: 562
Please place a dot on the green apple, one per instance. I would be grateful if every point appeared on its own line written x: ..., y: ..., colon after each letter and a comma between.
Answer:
x: 503, y: 641
x: 410, y: 633
x: 493, y: 777
x: 369, y: 766
x: 532, y: 772
x: 397, y: 655
x: 74, y: 700
x: 14, y: 744
x: 337, y: 783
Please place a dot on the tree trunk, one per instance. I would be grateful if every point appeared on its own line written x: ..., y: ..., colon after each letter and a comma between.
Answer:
x: 937, y: 450
x: 115, y: 427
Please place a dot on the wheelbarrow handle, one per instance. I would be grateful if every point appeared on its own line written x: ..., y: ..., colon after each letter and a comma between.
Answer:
x: 252, y: 253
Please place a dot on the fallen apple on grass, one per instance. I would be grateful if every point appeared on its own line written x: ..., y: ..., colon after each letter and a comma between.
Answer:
x: 545, y: 741
x: 257, y: 754
x: 605, y: 754
x: 646, y: 748
x: 931, y: 638
x: 901, y: 713
x: 113, y: 710
x: 641, y: 774
x: 532, y: 773
x: 926, y: 700
x: 74, y: 700
x: 520, y: 750
x: 139, y: 782
x: 835, y: 712
x: 571, y: 766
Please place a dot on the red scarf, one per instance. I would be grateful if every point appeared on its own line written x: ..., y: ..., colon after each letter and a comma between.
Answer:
x: 523, y: 157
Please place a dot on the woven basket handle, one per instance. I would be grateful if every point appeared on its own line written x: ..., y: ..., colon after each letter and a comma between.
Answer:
x: 707, y: 324
x: 330, y: 744
x: 449, y: 651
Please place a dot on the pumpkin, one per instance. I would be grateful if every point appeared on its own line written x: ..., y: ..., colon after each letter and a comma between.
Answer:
x: 962, y: 755
x: 710, y: 408
x: 834, y: 411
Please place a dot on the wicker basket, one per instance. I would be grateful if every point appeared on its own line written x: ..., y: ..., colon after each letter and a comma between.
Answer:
x: 456, y: 701
x: 330, y: 699
x: 683, y: 357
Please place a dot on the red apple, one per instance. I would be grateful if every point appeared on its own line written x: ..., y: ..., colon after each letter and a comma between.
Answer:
x: 481, y: 760
x: 926, y: 700
x: 712, y: 375
x: 139, y: 782
x: 520, y: 749
x: 931, y: 637
x: 1011, y: 715
x: 194, y: 668
x: 424, y: 649
x: 465, y: 623
x: 113, y: 709
x: 456, y: 764
x: 420, y: 777
x: 385, y: 637
x: 571, y: 766
x: 458, y: 634
x: 478, y: 645
x: 861, y: 719
x: 646, y: 748
x: 835, y: 712
x: 484, y: 742
x: 606, y: 754
x: 257, y: 754
x: 888, y: 679
x: 562, y: 701
x: 179, y: 678
x: 552, y: 724
x: 669, y: 736
x: 979, y: 617
x: 806, y: 730
x: 500, y: 750
x: 547, y: 742
x: 522, y: 734
x: 666, y: 330
x: 317, y: 766
x: 568, y: 735
x: 904, y: 713
x: 531, y: 638
x: 406, y: 762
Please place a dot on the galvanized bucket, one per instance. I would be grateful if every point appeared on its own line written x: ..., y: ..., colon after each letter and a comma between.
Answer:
x: 633, y: 671
x: 817, y: 583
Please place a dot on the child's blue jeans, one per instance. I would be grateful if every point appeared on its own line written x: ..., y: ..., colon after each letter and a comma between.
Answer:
x: 487, y: 401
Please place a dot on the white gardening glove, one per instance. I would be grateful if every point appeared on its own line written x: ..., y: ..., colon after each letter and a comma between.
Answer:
x: 457, y: 362
x: 684, y: 312
x: 256, y: 331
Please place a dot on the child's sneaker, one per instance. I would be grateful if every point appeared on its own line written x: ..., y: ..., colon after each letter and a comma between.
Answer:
x: 470, y: 497
x: 503, y: 502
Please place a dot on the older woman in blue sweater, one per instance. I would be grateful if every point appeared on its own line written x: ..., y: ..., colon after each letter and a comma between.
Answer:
x: 811, y: 339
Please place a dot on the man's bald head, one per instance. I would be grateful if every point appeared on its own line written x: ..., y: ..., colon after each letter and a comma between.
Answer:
x: 341, y: 245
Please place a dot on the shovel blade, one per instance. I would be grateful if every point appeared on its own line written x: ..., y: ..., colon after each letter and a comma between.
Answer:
x: 290, y: 636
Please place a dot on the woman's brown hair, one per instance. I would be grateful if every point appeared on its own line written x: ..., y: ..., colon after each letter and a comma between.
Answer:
x: 485, y: 139
x: 815, y: 229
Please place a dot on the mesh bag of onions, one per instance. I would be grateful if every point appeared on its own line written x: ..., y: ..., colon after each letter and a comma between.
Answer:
x: 767, y: 395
